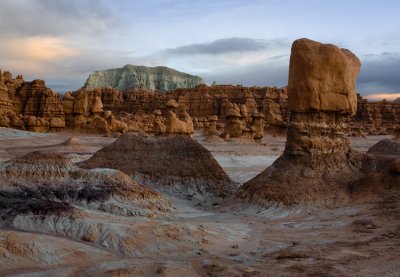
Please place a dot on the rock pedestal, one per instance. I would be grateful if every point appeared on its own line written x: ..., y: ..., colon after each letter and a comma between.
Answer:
x: 317, y: 160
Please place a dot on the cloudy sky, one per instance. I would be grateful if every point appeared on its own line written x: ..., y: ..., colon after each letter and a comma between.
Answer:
x: 230, y: 41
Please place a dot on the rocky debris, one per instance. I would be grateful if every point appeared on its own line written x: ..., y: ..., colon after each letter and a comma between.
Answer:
x: 317, y: 162
x: 159, y: 78
x: 174, y: 164
x: 46, y: 183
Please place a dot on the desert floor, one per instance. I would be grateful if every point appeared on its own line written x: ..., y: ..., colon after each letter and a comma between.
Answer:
x: 222, y: 239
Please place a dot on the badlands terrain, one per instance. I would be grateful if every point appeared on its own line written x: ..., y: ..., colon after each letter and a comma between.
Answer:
x: 295, y: 181
x: 192, y: 236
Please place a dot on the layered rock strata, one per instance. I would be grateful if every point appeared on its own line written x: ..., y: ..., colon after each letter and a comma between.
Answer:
x: 175, y: 165
x: 56, y: 186
x: 33, y: 106
x: 318, y: 165
x: 159, y: 78
x: 29, y: 105
x: 317, y: 162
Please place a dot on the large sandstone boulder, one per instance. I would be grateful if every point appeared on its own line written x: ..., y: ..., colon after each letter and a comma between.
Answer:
x: 322, y: 77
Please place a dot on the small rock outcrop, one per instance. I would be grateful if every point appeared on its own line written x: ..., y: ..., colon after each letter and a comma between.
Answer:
x: 174, y: 125
x: 159, y: 78
x: 242, y: 125
x: 176, y: 164
x: 84, y: 112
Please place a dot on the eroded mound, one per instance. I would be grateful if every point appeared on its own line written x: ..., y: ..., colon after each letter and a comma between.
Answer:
x: 45, y: 183
x: 386, y: 147
x: 173, y: 164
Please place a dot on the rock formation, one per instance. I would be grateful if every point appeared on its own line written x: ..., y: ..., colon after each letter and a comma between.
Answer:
x: 376, y: 117
x: 159, y: 127
x: 84, y: 113
x: 135, y: 107
x: 234, y: 125
x: 211, y: 128
x: 29, y: 105
x: 175, y: 165
x: 386, y: 147
x: 151, y: 78
x: 258, y: 123
x: 56, y: 186
x: 177, y: 126
x: 318, y: 165
x: 315, y: 163
x: 242, y: 125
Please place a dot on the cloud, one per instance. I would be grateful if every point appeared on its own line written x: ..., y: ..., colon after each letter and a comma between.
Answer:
x: 380, y: 96
x: 245, y: 61
x: 36, y: 49
x: 225, y: 45
x: 53, y: 18
x: 380, y: 73
x: 256, y: 75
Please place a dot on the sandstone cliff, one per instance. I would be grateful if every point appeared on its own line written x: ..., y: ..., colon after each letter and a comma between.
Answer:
x: 35, y: 107
x: 159, y: 78
x: 29, y: 105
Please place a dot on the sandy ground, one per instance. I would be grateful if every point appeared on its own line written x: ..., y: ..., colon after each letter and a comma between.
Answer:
x: 222, y: 240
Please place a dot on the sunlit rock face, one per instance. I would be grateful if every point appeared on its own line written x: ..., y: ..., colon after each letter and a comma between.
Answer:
x: 322, y: 77
x: 317, y: 162
x: 141, y: 77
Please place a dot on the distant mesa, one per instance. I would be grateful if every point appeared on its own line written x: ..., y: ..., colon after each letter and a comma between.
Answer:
x: 158, y: 78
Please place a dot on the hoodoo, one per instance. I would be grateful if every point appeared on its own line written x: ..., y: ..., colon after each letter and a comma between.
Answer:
x: 317, y: 161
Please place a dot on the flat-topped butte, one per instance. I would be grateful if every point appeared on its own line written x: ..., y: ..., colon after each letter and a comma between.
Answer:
x: 159, y: 78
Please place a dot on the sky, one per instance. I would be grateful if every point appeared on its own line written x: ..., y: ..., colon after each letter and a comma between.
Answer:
x: 229, y: 41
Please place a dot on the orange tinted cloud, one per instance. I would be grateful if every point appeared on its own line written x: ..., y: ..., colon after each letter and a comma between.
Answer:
x: 380, y: 96
x: 38, y: 48
x: 34, y: 55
